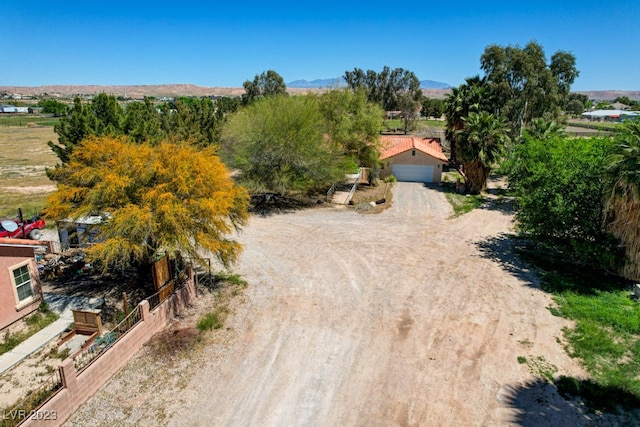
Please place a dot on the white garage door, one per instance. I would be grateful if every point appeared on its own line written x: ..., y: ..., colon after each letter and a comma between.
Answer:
x: 413, y: 173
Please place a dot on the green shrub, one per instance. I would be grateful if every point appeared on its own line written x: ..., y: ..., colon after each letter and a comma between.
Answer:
x: 211, y: 320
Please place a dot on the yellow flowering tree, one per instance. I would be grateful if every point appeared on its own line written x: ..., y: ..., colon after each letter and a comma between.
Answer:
x: 167, y: 198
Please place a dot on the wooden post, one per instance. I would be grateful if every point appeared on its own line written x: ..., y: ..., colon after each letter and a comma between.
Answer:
x: 125, y: 304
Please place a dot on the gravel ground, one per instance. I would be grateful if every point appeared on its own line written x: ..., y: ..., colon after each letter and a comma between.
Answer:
x: 406, y: 317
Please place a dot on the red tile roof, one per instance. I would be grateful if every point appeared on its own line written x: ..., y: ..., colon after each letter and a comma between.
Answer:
x: 392, y: 145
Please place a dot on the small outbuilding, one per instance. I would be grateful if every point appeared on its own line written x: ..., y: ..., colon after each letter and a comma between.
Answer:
x: 411, y: 158
x: 611, y: 115
x: 20, y: 290
x: 4, y: 108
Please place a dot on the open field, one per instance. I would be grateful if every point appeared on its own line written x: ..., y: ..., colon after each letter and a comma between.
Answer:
x: 23, y: 181
x: 27, y: 120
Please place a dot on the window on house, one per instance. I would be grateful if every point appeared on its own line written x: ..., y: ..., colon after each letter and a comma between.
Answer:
x: 22, y: 279
x: 413, y: 153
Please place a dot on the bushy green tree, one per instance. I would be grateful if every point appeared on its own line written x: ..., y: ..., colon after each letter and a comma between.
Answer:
x: 394, y: 90
x: 278, y: 144
x: 574, y: 107
x: 197, y: 120
x: 560, y: 185
x: 142, y: 122
x: 352, y: 124
x: 524, y: 86
x: 75, y: 126
x: 432, y: 107
x: 51, y: 106
x: 268, y: 83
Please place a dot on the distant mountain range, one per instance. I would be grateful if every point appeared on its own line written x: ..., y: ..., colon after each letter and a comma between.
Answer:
x: 429, y: 89
x: 340, y: 82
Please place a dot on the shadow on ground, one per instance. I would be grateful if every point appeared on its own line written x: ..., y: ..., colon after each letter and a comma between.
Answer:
x: 540, y: 403
x: 504, y: 249
x: 505, y: 205
x: 273, y: 204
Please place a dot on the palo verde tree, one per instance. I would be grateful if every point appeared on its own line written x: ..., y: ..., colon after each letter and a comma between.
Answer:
x: 278, y: 144
x: 623, y: 201
x: 268, y: 83
x: 154, y: 200
x: 352, y: 124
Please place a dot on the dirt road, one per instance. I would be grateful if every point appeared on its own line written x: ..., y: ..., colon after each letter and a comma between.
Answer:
x: 392, y: 319
x: 401, y: 318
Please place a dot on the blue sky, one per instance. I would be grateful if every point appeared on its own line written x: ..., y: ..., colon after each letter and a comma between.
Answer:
x: 209, y: 44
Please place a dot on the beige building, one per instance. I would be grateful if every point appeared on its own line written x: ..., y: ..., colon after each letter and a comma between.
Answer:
x: 411, y: 158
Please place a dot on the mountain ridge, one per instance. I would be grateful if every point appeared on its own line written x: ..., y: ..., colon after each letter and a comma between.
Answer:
x: 340, y: 82
x: 173, y: 90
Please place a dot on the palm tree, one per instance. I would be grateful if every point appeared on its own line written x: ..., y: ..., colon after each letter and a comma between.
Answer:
x: 472, y: 96
x: 480, y: 142
x: 622, y: 209
x: 543, y: 129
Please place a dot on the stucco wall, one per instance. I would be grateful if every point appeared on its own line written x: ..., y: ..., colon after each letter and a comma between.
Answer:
x: 10, y: 308
x: 407, y: 158
x: 79, y: 387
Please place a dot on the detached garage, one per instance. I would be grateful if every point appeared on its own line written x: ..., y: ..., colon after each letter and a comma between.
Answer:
x: 412, y: 159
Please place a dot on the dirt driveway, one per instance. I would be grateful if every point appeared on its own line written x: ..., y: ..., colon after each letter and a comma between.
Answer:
x: 401, y: 318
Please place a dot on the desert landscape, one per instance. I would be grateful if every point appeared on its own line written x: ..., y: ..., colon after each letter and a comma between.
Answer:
x: 407, y: 317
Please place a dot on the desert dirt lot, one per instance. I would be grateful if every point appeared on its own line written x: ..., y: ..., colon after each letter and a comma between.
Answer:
x: 407, y: 317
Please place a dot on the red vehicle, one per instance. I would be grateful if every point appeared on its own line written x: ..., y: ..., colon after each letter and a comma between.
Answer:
x: 17, y: 229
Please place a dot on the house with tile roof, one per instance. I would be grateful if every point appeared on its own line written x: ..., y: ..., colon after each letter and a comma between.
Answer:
x: 412, y: 158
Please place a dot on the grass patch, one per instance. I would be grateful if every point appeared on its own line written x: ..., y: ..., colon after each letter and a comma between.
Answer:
x: 540, y: 367
x: 31, y: 204
x: 35, y: 322
x: 230, y: 278
x: 461, y: 203
x: 213, y: 320
x: 30, y: 120
x: 56, y: 353
x: 606, y: 336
